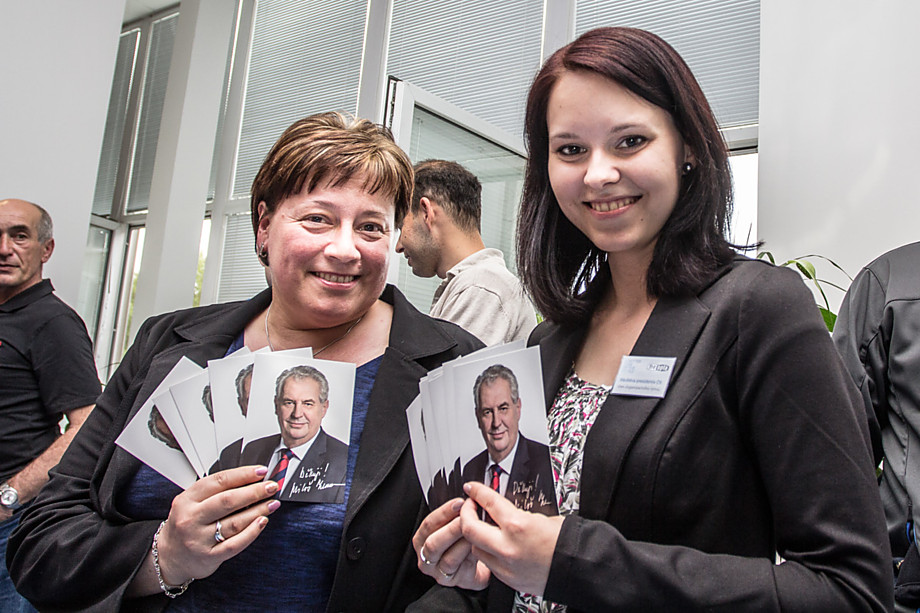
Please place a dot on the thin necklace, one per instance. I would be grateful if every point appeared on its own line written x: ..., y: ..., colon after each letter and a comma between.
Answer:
x: 315, y: 353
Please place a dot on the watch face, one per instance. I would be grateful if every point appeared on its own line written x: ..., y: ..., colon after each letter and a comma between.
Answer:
x: 8, y: 497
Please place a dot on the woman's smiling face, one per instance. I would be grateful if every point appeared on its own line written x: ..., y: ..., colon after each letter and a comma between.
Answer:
x: 614, y: 162
x: 328, y: 252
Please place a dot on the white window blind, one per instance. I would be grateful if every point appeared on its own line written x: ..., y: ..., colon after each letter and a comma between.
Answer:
x: 305, y: 58
x: 241, y: 274
x: 113, y: 136
x: 479, y: 55
x: 719, y: 40
x: 159, y: 56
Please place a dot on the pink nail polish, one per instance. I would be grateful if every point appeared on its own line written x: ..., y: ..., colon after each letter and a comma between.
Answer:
x: 273, y: 505
x: 262, y: 471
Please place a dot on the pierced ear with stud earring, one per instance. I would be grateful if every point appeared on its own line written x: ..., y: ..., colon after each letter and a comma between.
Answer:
x: 686, y: 168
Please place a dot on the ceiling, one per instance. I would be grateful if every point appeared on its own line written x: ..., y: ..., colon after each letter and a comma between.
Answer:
x: 136, y: 9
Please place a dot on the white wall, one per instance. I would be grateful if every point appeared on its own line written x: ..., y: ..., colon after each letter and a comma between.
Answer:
x: 55, y: 79
x: 839, y: 129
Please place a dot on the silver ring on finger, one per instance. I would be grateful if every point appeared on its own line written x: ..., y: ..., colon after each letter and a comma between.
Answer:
x: 421, y: 554
x: 447, y: 576
x: 217, y: 535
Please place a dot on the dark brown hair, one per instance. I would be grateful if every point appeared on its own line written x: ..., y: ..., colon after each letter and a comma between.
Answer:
x: 454, y: 188
x: 561, y: 269
x: 332, y: 147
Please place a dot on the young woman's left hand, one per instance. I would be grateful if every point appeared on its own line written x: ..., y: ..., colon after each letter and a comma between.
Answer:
x: 518, y: 549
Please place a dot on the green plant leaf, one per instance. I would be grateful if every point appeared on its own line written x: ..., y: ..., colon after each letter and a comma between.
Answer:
x: 830, y: 320
x: 806, y: 268
x: 808, y: 272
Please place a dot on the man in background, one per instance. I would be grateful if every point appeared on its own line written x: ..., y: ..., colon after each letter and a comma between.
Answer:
x: 440, y: 235
x: 46, y: 370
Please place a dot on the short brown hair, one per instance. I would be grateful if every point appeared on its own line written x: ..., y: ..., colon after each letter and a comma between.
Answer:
x: 332, y: 147
x: 454, y: 188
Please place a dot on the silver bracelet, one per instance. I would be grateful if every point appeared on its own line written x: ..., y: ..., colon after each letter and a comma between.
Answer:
x: 170, y: 590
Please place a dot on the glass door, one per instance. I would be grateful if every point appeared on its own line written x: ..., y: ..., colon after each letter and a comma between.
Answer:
x: 427, y: 127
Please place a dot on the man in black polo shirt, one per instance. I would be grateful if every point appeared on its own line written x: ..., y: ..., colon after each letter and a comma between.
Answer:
x: 46, y: 370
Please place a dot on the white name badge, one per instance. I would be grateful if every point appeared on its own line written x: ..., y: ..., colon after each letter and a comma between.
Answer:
x: 643, y: 376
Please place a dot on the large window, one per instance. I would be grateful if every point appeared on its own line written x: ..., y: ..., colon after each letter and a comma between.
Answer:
x: 133, y: 123
x: 123, y: 180
x: 159, y: 54
x: 113, y: 140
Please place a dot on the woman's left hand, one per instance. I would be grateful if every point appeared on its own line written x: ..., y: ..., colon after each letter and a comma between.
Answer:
x: 442, y: 552
x: 518, y: 549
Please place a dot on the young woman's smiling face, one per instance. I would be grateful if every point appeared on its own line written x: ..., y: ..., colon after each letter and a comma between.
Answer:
x: 614, y: 162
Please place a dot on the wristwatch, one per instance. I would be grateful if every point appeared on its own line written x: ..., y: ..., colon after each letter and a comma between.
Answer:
x: 9, y: 497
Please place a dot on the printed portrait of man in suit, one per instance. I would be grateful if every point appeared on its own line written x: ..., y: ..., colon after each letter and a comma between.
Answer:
x: 230, y: 455
x: 512, y: 464
x: 308, y: 463
x: 158, y: 429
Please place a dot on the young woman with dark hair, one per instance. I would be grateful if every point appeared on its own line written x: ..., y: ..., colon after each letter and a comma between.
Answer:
x: 701, y: 424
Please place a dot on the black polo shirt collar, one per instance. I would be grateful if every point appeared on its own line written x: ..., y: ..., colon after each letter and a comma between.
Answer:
x: 27, y: 297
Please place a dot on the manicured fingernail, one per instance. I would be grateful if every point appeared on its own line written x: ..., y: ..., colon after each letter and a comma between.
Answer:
x: 263, y: 521
x: 456, y: 506
x: 273, y: 505
x: 467, y: 487
x: 262, y: 471
x: 271, y: 487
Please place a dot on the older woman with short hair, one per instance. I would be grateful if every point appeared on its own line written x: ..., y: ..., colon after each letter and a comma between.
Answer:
x: 325, y: 205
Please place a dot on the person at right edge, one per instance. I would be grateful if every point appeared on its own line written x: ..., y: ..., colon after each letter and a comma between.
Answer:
x: 877, y: 335
x: 743, y: 481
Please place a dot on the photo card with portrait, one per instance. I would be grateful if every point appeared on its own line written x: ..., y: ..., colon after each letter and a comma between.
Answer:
x: 438, y: 400
x: 231, y: 381
x: 149, y: 438
x: 166, y: 405
x: 193, y: 400
x: 486, y: 413
x: 437, y: 440
x: 419, y: 445
x: 299, y: 424
x: 504, y: 442
x: 456, y: 416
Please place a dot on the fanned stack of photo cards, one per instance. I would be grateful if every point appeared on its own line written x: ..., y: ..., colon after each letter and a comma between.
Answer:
x: 482, y: 417
x: 284, y: 410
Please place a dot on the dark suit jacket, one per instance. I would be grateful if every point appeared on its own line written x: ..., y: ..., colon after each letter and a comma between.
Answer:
x: 229, y: 457
x: 760, y: 445
x: 530, y: 484
x: 75, y: 533
x: 324, y: 464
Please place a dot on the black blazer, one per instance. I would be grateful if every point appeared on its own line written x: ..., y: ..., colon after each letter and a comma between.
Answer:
x: 530, y: 484
x: 759, y: 446
x: 324, y: 465
x: 74, y: 533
